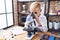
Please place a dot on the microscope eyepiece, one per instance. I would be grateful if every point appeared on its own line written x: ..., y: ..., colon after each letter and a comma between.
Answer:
x: 33, y: 14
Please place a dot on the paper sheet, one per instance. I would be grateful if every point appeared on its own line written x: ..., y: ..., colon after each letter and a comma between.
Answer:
x: 17, y: 30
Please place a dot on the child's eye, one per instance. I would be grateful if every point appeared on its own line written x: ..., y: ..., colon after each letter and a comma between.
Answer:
x: 35, y: 12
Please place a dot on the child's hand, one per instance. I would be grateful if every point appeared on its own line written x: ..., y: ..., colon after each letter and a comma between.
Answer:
x: 37, y: 19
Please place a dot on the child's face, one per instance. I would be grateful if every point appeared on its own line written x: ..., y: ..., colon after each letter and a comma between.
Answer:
x: 38, y: 10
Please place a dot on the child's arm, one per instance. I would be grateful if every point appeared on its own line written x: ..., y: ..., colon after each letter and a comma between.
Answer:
x: 43, y: 21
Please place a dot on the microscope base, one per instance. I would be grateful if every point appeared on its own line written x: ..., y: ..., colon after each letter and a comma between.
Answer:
x: 29, y: 38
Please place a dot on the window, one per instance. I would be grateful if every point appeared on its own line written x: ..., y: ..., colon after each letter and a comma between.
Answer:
x: 2, y: 6
x: 9, y: 6
x: 10, y: 19
x: 3, y: 21
x: 6, y: 13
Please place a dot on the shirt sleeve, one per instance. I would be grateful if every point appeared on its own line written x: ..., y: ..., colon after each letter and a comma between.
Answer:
x: 28, y: 18
x: 43, y: 21
x: 44, y: 28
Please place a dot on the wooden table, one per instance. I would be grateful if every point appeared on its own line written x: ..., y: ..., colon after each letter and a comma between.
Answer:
x: 37, y: 37
x: 20, y: 37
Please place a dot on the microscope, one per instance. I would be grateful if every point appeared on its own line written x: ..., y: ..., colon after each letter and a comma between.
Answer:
x: 30, y: 27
